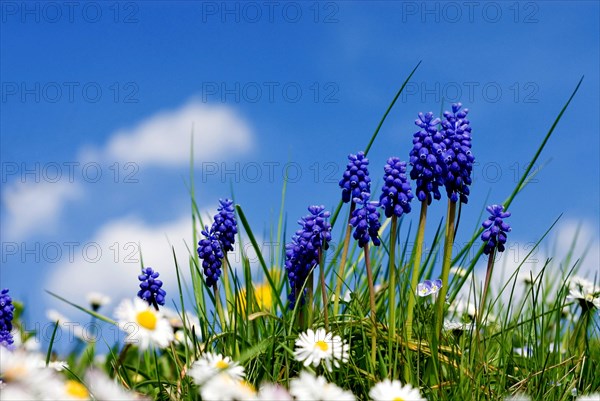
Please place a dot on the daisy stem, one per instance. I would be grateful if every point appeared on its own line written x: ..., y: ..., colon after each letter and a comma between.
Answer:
x: 323, y: 288
x: 446, y: 262
x: 219, y: 306
x: 342, y: 266
x: 392, y: 287
x: 412, y: 297
x: 372, y: 302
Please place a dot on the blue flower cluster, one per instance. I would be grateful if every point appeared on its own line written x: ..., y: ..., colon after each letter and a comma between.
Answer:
x: 443, y: 157
x: 225, y: 226
x: 459, y: 159
x: 219, y: 239
x: 302, y: 254
x: 427, y: 158
x: 495, y: 231
x: 6, y: 317
x: 209, y: 250
x: 395, y: 193
x: 150, y: 287
x: 356, y: 178
x: 366, y: 221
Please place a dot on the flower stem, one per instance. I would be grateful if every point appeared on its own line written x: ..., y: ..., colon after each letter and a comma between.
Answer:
x: 392, y: 287
x: 372, y: 303
x: 340, y: 278
x: 219, y: 306
x: 447, y: 261
x: 412, y: 298
x: 323, y: 289
x: 486, y: 285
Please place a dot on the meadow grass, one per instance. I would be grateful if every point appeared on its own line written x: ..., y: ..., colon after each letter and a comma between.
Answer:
x: 537, y: 343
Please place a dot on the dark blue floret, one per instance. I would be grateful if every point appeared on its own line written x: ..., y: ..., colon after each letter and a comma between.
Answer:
x: 427, y: 158
x: 211, y: 254
x: 6, y: 317
x: 395, y: 194
x: 366, y: 221
x: 224, y: 225
x: 150, y: 287
x: 356, y: 178
x: 495, y: 231
x: 458, y: 157
x: 302, y: 254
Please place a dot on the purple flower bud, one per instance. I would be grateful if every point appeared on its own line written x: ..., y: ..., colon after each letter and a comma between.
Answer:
x: 495, y: 234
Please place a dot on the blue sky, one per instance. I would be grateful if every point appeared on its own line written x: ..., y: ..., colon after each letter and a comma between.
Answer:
x: 114, y: 89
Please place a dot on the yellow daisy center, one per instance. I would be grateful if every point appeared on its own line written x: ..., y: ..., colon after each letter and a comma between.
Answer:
x: 322, y: 345
x: 14, y: 373
x: 76, y: 390
x: 222, y: 364
x: 147, y: 319
x: 398, y: 399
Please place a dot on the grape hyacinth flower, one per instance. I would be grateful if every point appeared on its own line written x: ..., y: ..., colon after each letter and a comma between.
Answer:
x: 395, y: 194
x: 494, y: 235
x: 209, y: 250
x: 427, y: 158
x: 366, y: 221
x: 356, y: 178
x: 224, y: 225
x: 459, y: 159
x: 6, y: 317
x: 150, y: 288
x: 302, y: 254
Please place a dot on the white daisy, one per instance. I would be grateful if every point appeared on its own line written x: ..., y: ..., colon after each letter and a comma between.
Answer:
x: 55, y: 316
x: 517, y: 397
x: 270, y: 392
x: 589, y: 397
x: 11, y: 392
x: 223, y: 387
x: 144, y: 325
x: 104, y: 388
x: 584, y: 291
x: 97, y: 300
x: 20, y: 367
x: 176, y: 321
x: 388, y: 390
x: 308, y: 387
x: 458, y: 271
x: 450, y: 325
x: 314, y: 346
x: 30, y: 344
x: 66, y: 390
x: 525, y: 351
x: 210, y: 365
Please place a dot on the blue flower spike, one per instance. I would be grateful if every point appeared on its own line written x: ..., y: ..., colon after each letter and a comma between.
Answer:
x: 6, y: 316
x: 494, y: 235
x: 396, y: 194
x: 459, y: 159
x: 302, y: 254
x: 365, y: 220
x: 150, y: 288
x: 356, y: 178
x: 427, y: 158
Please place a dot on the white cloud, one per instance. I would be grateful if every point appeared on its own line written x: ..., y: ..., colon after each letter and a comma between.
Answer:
x: 110, y: 263
x: 164, y: 139
x: 35, y: 206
